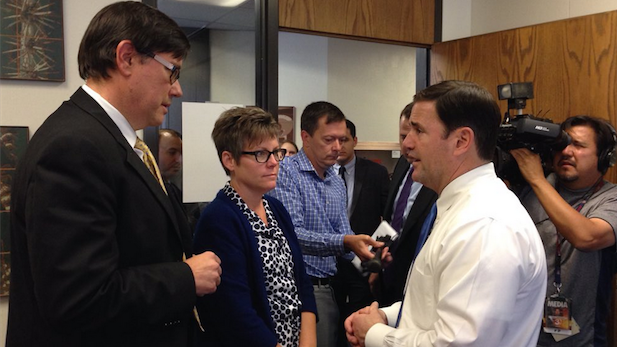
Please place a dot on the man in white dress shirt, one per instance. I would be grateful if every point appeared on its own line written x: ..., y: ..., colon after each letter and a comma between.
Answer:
x: 479, y: 280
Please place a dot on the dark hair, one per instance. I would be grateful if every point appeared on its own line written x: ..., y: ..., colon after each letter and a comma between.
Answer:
x: 291, y: 143
x: 146, y: 27
x: 171, y: 132
x: 313, y: 113
x: 351, y: 127
x: 605, y: 137
x: 242, y: 126
x: 466, y: 104
x: 406, y: 112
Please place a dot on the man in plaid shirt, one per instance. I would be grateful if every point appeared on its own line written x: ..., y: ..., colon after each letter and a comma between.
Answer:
x: 315, y: 197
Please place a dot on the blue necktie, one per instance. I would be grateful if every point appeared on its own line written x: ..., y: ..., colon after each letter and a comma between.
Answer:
x: 424, y: 231
x: 401, y: 203
x: 426, y: 228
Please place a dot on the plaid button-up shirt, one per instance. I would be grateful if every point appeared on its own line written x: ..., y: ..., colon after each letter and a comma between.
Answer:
x: 318, y: 211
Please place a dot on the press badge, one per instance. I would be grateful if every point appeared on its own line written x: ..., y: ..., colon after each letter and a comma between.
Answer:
x: 558, y: 315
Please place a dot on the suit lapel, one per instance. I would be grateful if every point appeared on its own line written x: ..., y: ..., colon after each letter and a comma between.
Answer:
x: 88, y: 105
x: 423, y: 200
x: 359, y: 178
x: 423, y: 203
x: 133, y: 159
x: 400, y: 170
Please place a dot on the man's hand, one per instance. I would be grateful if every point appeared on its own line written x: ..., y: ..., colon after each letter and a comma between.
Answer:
x: 359, y: 245
x: 359, y: 323
x: 386, y: 257
x: 348, y: 325
x: 374, y: 284
x: 207, y: 271
x: 529, y: 164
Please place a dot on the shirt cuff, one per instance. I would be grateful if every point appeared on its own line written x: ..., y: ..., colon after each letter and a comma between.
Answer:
x: 337, y: 241
x: 392, y: 313
x: 376, y: 335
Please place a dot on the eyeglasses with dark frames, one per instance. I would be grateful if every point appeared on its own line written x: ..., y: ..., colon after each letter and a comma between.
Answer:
x: 175, y: 70
x: 263, y: 155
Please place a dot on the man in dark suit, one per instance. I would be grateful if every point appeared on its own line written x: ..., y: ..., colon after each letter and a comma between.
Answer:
x: 367, y: 188
x: 415, y: 206
x: 170, y: 164
x: 170, y: 153
x: 99, y: 249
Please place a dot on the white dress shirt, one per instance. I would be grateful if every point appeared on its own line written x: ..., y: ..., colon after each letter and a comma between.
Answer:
x: 125, y: 127
x: 479, y: 279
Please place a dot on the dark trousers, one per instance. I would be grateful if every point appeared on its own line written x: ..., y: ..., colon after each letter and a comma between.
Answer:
x: 352, y: 292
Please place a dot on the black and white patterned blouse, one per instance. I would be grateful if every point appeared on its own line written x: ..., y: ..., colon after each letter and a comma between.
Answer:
x: 278, y: 269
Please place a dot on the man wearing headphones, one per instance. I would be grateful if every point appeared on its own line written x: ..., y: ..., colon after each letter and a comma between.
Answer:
x: 575, y: 212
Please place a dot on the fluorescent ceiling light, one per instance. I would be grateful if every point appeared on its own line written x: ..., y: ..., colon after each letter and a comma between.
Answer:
x: 222, y: 3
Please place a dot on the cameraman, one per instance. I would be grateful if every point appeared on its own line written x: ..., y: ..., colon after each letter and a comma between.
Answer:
x: 575, y: 212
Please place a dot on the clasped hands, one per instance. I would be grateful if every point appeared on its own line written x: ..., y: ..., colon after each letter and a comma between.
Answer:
x: 359, y: 323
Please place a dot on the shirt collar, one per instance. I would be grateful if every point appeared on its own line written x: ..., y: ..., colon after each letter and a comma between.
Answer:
x: 125, y: 128
x: 351, y: 165
x: 460, y: 184
x: 304, y: 164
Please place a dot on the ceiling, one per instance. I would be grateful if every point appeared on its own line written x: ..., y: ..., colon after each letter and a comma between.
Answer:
x: 201, y: 15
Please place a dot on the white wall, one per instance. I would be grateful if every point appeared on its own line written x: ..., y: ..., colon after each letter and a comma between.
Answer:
x: 456, y: 19
x: 487, y: 16
x: 232, y: 56
x: 369, y: 82
x: 303, y: 73
x: 28, y: 103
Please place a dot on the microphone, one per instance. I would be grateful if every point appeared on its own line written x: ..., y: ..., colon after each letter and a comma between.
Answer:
x: 374, y: 265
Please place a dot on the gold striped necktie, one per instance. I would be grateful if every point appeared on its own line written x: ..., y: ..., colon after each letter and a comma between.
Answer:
x: 154, y: 169
x: 150, y: 162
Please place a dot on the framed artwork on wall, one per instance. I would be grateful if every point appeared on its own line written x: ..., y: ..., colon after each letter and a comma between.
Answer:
x: 31, y: 40
x: 13, y: 142
x: 286, y: 120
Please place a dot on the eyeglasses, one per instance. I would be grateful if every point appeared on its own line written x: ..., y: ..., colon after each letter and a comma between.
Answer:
x: 263, y: 156
x: 175, y: 70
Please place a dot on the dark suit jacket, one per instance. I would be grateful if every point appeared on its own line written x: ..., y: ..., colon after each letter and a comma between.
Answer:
x: 405, y: 246
x: 191, y: 211
x: 369, y: 196
x: 371, y: 182
x: 96, y: 244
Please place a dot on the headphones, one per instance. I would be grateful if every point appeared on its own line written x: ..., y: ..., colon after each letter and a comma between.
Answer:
x: 608, y: 157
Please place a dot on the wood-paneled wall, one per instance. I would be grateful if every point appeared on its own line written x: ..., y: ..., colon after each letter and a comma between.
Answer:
x: 572, y: 64
x: 402, y: 21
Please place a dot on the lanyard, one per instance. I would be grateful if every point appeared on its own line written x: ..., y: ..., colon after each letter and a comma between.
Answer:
x: 594, y: 189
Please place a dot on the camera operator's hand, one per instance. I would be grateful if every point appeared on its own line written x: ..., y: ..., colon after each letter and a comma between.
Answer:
x: 529, y: 163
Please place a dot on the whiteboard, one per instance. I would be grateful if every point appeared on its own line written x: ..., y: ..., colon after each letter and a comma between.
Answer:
x: 202, y: 173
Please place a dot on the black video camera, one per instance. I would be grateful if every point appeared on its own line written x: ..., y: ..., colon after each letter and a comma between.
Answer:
x: 539, y: 135
x: 374, y: 265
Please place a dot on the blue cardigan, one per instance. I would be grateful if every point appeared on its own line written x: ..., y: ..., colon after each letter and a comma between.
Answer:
x: 238, y: 313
